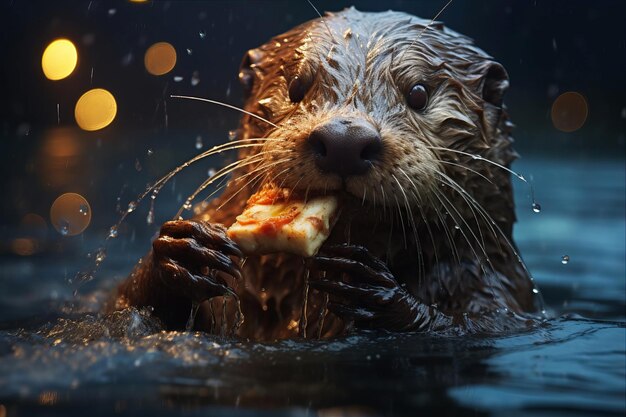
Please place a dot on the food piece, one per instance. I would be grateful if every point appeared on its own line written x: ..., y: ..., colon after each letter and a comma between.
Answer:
x: 275, y: 220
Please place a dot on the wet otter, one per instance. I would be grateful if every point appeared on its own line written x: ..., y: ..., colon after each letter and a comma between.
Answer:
x: 404, y: 120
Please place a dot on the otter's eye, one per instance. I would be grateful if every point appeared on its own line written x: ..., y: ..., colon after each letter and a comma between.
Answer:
x: 418, y: 97
x: 298, y: 88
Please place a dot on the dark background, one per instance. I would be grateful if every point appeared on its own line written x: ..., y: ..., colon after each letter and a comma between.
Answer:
x: 548, y: 47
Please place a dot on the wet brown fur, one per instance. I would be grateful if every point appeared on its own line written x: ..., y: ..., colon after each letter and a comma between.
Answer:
x: 402, y: 210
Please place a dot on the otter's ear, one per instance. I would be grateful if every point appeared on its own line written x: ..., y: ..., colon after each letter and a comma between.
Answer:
x: 247, y: 74
x: 495, y: 83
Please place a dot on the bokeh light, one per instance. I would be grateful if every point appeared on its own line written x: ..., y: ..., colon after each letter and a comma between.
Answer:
x: 569, y: 111
x: 59, y: 59
x: 70, y: 214
x: 95, y: 109
x: 160, y: 58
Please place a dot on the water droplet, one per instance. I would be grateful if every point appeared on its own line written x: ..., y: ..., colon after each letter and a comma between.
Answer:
x: 457, y: 227
x: 199, y: 143
x: 112, y: 12
x: 150, y: 152
x: 187, y: 205
x: 211, y: 172
x: 189, y: 51
x: 138, y: 166
x: 113, y: 232
x: 131, y: 207
x: 101, y: 255
x: 232, y: 134
x: 535, y: 291
x: 84, y: 209
x: 178, y: 78
x: 195, y: 78
x: 565, y: 259
x: 150, y: 217
x: 536, y: 207
x: 202, y: 34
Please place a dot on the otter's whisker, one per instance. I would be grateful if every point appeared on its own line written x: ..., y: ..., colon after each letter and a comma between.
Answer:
x: 221, y: 173
x: 421, y: 266
x: 466, y: 168
x: 492, y: 268
x: 469, y: 199
x: 471, y: 207
x: 424, y: 30
x: 449, y: 206
x: 230, y: 106
x: 415, y: 192
x: 469, y: 243
x: 249, y: 182
x: 480, y: 158
x: 446, y: 230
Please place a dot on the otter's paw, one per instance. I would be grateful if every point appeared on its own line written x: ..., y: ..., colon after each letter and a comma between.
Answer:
x: 188, y: 254
x: 362, y: 289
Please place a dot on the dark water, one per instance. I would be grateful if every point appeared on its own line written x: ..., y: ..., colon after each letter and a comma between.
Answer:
x: 58, y: 357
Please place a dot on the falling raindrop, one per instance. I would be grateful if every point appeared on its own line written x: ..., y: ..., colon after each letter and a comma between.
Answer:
x: 202, y: 34
x: 536, y: 207
x: 535, y: 291
x: 178, y: 78
x: 150, y: 152
x: 211, y: 172
x: 189, y: 51
x: 565, y: 259
x: 199, y: 143
x: 138, y: 166
x: 112, y: 12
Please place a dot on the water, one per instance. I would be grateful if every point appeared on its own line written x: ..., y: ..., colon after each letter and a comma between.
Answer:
x: 58, y: 357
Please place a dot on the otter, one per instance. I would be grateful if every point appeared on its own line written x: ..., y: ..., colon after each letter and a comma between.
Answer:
x: 404, y: 119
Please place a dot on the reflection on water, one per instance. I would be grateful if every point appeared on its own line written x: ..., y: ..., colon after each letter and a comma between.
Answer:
x: 58, y: 356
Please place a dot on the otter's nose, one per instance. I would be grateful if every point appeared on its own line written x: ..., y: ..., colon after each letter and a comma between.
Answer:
x: 345, y: 146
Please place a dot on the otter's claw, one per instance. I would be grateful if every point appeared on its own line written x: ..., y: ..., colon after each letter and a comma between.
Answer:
x: 188, y: 255
x: 363, y: 289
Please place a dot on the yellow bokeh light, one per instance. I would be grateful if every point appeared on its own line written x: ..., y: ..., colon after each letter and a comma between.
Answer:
x: 59, y: 59
x: 160, y: 58
x: 70, y: 214
x: 569, y: 111
x: 95, y: 109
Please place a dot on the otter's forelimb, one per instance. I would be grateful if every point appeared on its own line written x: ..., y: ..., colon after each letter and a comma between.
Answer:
x: 363, y: 290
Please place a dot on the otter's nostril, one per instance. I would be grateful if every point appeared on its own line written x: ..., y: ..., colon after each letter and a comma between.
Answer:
x: 318, y: 146
x: 371, y: 151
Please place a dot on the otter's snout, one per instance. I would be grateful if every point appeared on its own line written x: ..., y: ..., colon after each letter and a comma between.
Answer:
x: 345, y: 146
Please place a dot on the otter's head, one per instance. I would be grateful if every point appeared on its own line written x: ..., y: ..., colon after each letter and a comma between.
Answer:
x: 365, y: 103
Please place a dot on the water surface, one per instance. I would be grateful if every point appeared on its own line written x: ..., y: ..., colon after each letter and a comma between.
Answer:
x: 57, y: 356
